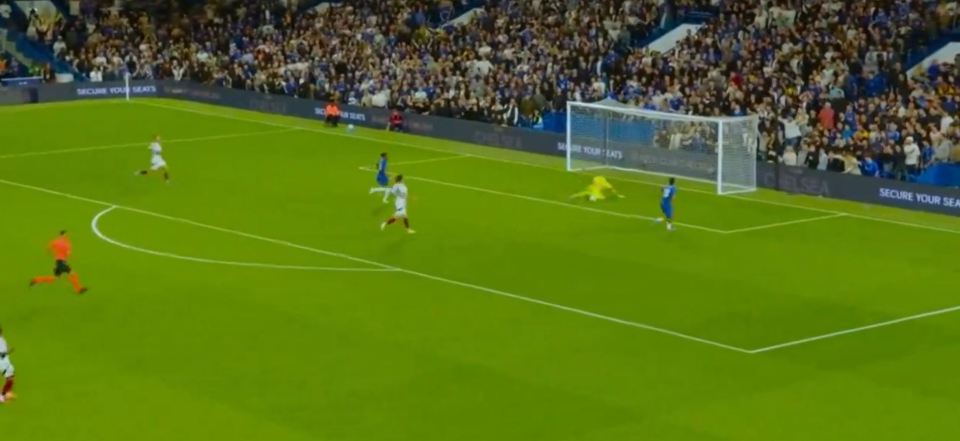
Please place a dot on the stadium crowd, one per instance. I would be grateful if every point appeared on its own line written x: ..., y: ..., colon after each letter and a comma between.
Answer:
x: 826, y: 77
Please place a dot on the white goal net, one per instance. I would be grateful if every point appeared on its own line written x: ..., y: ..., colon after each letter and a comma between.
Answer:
x: 717, y: 150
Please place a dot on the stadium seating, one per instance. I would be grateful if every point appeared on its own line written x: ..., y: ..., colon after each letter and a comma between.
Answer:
x: 827, y: 78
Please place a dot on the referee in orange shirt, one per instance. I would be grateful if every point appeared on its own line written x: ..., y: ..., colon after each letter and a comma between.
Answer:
x: 61, y: 249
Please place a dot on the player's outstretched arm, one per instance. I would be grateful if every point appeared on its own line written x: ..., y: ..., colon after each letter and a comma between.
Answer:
x: 581, y: 194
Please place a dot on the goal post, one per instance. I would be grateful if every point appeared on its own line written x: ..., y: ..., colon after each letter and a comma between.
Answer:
x: 720, y: 151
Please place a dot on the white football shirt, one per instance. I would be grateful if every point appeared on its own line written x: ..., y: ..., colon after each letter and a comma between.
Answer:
x: 400, y: 195
x: 155, y: 149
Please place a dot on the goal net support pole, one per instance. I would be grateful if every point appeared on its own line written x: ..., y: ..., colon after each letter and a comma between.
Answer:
x: 720, y: 151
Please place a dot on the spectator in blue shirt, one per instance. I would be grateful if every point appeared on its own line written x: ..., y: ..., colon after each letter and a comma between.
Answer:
x: 926, y: 155
x: 933, y: 71
x: 868, y: 167
x: 875, y: 85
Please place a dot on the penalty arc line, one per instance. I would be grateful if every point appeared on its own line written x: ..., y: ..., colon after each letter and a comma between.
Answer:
x: 550, y: 202
x: 526, y: 164
x: 142, y: 143
x: 95, y: 226
x: 475, y: 287
x: 857, y: 329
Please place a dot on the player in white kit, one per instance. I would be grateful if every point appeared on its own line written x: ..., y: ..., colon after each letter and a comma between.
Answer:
x: 6, y: 370
x: 399, y: 192
x: 157, y: 164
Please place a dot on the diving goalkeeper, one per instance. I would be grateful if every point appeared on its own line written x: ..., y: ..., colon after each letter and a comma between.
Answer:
x: 596, y: 190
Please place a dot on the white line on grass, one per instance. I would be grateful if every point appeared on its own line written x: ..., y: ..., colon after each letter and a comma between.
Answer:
x: 857, y: 329
x: 785, y: 223
x: 774, y: 203
x: 95, y: 226
x: 493, y: 291
x: 141, y: 143
x: 550, y: 202
x: 428, y: 160
x: 508, y: 161
x: 615, y: 213
x: 55, y: 105
x: 904, y: 224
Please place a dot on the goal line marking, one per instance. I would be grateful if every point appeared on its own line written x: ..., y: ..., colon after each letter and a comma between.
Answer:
x: 95, y: 227
x: 141, y: 143
x: 423, y: 275
x: 397, y: 142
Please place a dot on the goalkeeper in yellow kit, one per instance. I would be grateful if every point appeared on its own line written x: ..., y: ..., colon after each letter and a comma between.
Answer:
x: 595, y: 191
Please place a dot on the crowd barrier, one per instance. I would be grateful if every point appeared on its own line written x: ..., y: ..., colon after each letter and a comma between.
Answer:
x: 788, y: 179
x: 802, y: 180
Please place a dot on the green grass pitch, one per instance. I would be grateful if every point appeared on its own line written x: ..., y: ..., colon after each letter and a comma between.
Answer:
x: 256, y: 298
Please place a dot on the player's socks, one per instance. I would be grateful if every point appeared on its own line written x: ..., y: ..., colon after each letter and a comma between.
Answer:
x: 43, y: 279
x: 75, y: 281
x: 669, y: 226
x: 7, y: 387
x: 166, y: 176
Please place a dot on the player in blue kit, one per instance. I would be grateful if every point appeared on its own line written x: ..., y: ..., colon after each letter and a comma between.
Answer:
x: 382, y: 179
x: 666, y: 203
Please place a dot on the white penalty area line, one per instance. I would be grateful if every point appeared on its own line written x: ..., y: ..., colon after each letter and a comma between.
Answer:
x: 609, y: 212
x: 396, y: 142
x: 95, y: 226
x: 497, y: 292
x: 429, y: 160
x: 142, y: 143
x: 549, y: 201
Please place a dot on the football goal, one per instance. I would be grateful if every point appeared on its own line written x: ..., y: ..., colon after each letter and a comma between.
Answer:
x: 721, y: 151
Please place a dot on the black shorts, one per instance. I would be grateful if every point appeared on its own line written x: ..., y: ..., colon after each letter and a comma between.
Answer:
x: 61, y: 268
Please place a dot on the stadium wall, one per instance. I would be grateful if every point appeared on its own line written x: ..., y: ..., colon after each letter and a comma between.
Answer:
x: 798, y: 180
x: 17, y: 96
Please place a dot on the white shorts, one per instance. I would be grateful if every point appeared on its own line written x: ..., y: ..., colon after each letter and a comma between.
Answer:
x: 157, y: 164
x: 401, y: 212
x: 6, y: 367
